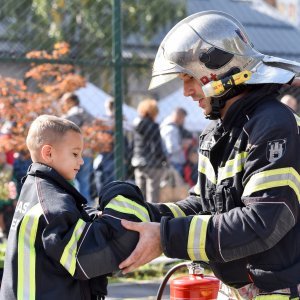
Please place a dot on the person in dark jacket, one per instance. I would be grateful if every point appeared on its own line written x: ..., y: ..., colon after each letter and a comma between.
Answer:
x: 58, y: 248
x: 242, y: 216
x: 148, y: 155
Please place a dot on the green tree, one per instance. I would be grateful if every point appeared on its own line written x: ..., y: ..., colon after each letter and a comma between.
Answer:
x: 20, y: 23
x: 86, y: 24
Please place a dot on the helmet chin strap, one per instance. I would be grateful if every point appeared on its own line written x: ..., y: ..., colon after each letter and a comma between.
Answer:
x: 217, y: 103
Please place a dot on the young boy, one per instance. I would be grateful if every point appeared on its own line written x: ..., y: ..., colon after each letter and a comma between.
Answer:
x: 55, y: 248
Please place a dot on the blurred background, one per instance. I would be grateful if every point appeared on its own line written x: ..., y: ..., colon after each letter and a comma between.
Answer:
x: 90, y: 61
x: 94, y: 58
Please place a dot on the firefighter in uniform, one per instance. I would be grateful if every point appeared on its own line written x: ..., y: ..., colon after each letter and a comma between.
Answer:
x: 242, y: 216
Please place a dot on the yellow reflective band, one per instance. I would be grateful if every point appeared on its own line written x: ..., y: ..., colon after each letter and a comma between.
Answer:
x: 274, y: 297
x: 68, y: 258
x: 232, y: 167
x: 197, y: 187
x: 297, y: 119
x: 27, y: 254
x: 175, y: 209
x: 127, y: 206
x: 206, y: 168
x: 274, y: 178
x: 197, y: 238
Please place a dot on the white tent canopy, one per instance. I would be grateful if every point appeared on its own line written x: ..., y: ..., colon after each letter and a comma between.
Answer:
x: 195, y: 120
x: 93, y: 99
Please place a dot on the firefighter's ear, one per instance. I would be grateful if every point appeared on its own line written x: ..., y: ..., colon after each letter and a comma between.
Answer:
x: 46, y: 153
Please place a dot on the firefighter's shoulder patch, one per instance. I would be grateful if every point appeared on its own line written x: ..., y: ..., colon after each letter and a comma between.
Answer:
x: 275, y: 149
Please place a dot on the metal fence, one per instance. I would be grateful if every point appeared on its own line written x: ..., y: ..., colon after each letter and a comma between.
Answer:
x: 101, y: 49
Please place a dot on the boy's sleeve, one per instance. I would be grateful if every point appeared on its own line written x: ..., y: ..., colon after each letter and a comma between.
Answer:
x: 80, y: 247
x: 90, y: 249
x: 125, y: 201
x: 111, y: 192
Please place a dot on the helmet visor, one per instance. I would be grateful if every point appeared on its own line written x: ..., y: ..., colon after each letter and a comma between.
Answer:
x: 176, y: 55
x: 159, y: 80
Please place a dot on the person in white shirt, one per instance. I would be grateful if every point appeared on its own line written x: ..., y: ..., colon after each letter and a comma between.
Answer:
x: 172, y: 137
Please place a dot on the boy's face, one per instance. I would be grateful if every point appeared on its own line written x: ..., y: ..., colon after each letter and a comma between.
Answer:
x: 66, y: 155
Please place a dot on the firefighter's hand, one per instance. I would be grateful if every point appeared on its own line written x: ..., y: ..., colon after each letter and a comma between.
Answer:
x: 148, y: 246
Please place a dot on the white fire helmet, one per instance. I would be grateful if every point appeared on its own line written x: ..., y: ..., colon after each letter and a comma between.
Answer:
x: 208, y: 46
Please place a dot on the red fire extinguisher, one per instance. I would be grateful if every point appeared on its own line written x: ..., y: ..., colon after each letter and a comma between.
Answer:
x: 194, y: 286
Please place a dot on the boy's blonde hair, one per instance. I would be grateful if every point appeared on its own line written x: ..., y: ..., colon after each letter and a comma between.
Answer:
x: 47, y: 130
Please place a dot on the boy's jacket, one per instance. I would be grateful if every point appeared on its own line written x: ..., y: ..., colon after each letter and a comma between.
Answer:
x: 56, y: 249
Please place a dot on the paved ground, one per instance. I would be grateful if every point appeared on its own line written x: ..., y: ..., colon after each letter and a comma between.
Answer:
x: 142, y: 290
x: 146, y: 290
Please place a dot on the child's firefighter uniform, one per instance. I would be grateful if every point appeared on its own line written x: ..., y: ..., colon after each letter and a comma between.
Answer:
x: 244, y: 216
x: 55, y: 249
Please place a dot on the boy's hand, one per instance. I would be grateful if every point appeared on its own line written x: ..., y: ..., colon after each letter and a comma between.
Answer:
x: 148, y: 247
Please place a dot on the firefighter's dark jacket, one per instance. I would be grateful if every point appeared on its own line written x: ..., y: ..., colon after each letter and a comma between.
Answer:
x: 243, y: 214
x: 56, y: 250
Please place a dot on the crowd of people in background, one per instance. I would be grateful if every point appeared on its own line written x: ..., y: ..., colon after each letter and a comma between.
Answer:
x: 150, y: 150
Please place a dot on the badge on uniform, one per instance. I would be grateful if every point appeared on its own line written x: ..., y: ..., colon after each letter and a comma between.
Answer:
x: 275, y: 149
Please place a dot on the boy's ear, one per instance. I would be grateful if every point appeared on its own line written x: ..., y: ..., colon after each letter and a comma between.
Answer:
x: 46, y: 153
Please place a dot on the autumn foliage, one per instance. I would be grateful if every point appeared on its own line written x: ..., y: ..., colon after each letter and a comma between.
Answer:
x: 21, y: 101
